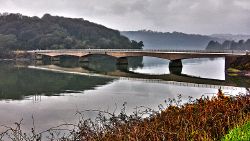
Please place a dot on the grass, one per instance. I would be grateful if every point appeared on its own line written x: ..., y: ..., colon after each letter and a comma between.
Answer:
x: 233, y: 74
x: 241, y: 133
x: 233, y: 70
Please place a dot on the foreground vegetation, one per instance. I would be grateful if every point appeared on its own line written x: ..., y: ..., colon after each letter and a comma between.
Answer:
x: 201, y: 119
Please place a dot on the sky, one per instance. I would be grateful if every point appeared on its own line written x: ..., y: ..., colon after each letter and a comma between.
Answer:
x: 189, y: 16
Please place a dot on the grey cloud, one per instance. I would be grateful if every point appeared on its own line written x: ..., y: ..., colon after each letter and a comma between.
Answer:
x: 192, y: 16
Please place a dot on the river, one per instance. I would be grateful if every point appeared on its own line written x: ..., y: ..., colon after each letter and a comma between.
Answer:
x: 51, y: 94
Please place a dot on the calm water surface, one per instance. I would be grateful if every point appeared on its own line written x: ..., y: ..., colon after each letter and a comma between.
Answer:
x: 52, y: 93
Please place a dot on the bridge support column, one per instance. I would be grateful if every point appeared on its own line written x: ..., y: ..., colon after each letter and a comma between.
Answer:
x: 122, y: 61
x: 175, y: 63
x: 175, y: 66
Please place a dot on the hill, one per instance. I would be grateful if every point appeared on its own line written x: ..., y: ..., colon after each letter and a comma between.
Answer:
x: 167, y: 40
x: 229, y: 45
x: 53, y: 32
x: 231, y: 37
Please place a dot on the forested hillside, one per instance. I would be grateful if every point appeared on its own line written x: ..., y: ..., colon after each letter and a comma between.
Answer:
x: 232, y: 37
x: 53, y: 32
x: 229, y: 45
x: 167, y: 40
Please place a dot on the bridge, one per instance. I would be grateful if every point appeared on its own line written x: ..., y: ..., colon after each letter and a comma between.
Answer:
x: 175, y: 56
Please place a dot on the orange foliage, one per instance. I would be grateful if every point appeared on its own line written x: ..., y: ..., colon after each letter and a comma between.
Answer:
x: 205, y: 119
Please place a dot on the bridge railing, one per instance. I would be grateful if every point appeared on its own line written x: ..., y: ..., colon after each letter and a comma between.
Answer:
x: 140, y: 50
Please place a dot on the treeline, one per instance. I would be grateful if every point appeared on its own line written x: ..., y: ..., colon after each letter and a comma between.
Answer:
x: 53, y: 32
x: 170, y: 40
x: 229, y: 45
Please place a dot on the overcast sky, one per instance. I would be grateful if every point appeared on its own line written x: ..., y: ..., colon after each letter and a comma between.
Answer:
x: 190, y: 16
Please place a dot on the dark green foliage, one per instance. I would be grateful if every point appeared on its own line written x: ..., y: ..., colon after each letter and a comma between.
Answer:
x: 137, y: 45
x: 229, y: 45
x: 7, y: 42
x: 54, y: 32
x: 241, y: 63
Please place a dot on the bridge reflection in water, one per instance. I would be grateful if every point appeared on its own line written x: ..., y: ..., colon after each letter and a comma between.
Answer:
x: 121, y: 55
x: 122, y: 72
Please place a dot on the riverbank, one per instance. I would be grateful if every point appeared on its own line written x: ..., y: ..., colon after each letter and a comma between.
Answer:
x: 204, y: 119
x: 200, y: 119
x: 237, y: 72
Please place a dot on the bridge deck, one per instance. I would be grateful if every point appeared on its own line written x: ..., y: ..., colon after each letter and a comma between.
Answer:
x: 164, y: 54
x: 234, y: 52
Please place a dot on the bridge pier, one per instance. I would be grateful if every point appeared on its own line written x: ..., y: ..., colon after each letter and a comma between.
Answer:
x: 175, y: 63
x: 122, y: 61
x: 175, y: 66
x: 175, y: 70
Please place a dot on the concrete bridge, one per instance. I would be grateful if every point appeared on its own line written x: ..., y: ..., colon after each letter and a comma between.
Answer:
x: 175, y: 56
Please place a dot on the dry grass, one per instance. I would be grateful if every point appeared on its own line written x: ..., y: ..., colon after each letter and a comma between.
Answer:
x: 204, y: 119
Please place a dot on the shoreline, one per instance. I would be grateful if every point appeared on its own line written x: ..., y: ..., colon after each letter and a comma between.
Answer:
x: 236, y: 72
x: 15, y: 59
x: 201, y: 119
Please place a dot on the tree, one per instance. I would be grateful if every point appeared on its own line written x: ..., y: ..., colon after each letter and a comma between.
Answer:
x: 137, y: 45
x: 50, y: 32
x: 212, y: 45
